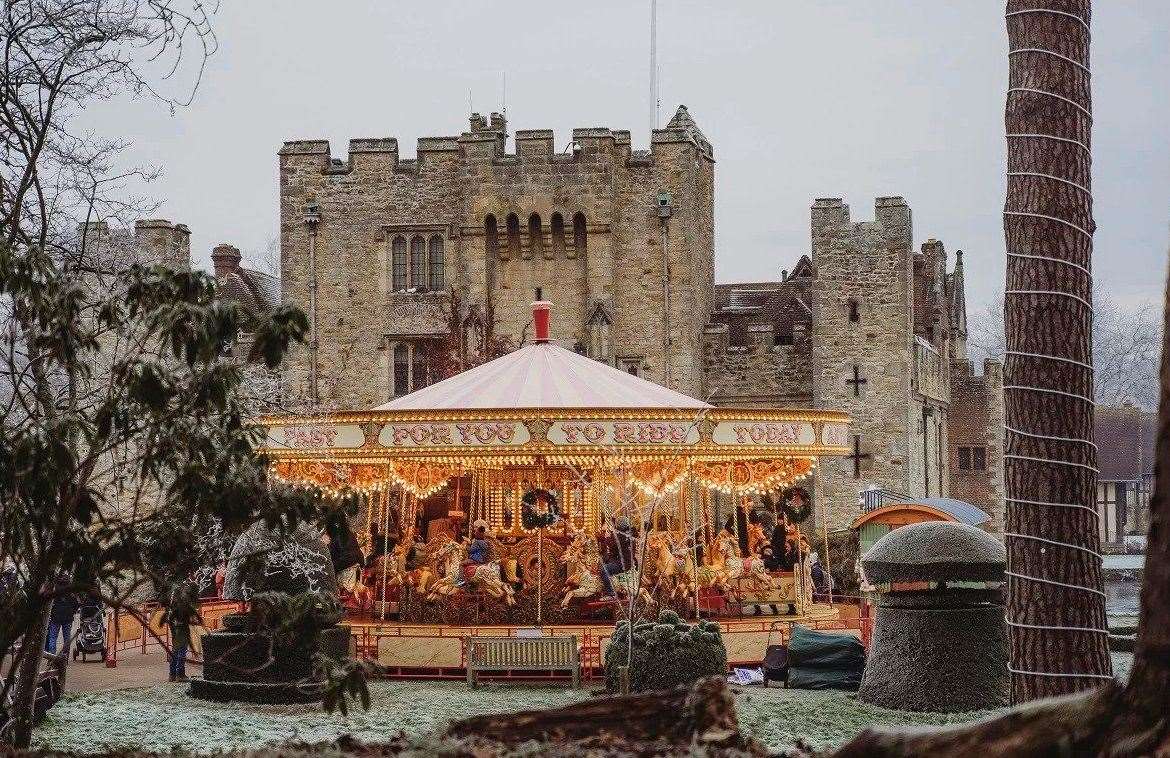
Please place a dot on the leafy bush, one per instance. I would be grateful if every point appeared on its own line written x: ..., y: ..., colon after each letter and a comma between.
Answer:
x: 294, y: 621
x: 844, y: 550
x: 666, y: 653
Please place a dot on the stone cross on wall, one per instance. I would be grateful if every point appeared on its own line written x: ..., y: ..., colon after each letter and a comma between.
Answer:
x: 856, y: 381
x: 857, y: 457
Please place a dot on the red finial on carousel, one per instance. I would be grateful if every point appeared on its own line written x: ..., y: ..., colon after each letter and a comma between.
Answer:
x: 540, y: 315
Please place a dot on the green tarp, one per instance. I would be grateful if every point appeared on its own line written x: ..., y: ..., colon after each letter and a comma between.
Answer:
x: 824, y: 660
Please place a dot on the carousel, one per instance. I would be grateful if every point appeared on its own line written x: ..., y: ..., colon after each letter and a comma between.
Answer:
x: 545, y: 487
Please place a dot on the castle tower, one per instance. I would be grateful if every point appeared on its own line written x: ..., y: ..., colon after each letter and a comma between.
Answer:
x: 159, y: 241
x: 863, y: 346
x: 608, y: 234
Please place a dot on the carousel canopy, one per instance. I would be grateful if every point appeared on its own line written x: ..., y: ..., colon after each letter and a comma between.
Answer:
x: 542, y: 375
x: 542, y: 406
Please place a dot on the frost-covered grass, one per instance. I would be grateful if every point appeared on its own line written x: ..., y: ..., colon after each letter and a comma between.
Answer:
x: 163, y: 716
x: 823, y: 719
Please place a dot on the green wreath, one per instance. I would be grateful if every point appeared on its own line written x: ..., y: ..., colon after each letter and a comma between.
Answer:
x: 530, y: 517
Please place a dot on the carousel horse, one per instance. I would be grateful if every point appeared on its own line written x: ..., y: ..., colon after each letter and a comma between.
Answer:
x: 725, y: 556
x: 756, y: 538
x: 584, y: 582
x: 394, y: 565
x: 581, y: 583
x: 706, y: 576
x: 483, y: 576
x: 666, y: 565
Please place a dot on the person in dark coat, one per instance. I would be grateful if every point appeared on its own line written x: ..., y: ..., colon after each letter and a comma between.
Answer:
x: 617, y: 553
x: 380, y: 544
x: 61, y: 615
x: 182, y: 611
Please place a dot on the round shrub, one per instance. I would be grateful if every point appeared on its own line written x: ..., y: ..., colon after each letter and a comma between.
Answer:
x: 666, y: 653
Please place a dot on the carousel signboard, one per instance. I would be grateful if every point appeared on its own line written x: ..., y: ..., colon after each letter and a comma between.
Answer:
x: 424, y: 434
x: 755, y: 433
x: 619, y: 433
x: 315, y: 436
x: 835, y: 435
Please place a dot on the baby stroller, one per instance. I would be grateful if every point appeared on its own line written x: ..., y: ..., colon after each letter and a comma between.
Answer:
x: 91, y: 636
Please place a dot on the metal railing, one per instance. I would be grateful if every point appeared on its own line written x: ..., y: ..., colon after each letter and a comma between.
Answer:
x: 872, y: 499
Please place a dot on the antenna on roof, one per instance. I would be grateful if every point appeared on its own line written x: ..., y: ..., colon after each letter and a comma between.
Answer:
x: 504, y: 95
x: 654, y: 64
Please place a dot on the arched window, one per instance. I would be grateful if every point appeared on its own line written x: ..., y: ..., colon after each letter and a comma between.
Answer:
x: 513, y: 235
x: 436, y: 262
x: 558, y: 234
x: 418, y: 262
x: 491, y: 238
x: 401, y: 369
x: 421, y: 370
x: 535, y: 235
x: 579, y: 235
x: 398, y: 280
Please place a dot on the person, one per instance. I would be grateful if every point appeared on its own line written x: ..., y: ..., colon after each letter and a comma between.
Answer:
x: 380, y: 544
x: 416, y: 555
x: 344, y: 550
x: 181, y: 613
x: 617, y: 554
x: 479, y: 549
x: 61, y: 615
x: 822, y: 580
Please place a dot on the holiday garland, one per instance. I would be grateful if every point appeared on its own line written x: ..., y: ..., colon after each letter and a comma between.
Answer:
x: 533, y: 519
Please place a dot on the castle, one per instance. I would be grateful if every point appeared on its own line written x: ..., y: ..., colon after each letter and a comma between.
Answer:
x: 622, y: 242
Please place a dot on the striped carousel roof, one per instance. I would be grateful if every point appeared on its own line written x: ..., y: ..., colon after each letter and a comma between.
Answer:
x: 542, y: 375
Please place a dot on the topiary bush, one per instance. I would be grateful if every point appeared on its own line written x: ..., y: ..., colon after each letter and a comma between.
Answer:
x: 666, y: 654
x: 292, y: 561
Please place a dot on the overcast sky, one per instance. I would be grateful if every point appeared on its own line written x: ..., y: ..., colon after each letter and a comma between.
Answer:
x: 801, y: 100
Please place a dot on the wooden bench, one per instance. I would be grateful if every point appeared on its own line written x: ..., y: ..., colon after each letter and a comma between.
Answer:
x: 522, y: 654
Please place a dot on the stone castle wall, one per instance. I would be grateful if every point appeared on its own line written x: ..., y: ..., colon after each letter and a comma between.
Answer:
x: 761, y: 374
x: 977, y: 420
x: 864, y: 269
x: 452, y: 189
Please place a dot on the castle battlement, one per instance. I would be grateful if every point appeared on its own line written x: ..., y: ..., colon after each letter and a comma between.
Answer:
x: 485, y: 143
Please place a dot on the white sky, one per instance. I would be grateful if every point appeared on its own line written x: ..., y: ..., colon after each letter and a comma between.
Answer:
x: 847, y: 98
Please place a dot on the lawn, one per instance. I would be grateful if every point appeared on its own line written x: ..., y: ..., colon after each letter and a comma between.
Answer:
x: 162, y: 717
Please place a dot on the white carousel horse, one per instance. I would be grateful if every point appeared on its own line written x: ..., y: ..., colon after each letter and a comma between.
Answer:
x: 486, y: 576
x: 581, y: 583
x: 725, y: 556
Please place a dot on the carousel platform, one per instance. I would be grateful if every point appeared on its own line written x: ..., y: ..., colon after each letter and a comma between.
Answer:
x: 437, y: 651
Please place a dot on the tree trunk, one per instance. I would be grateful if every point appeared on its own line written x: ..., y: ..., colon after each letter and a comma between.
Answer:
x: 1110, y: 721
x: 27, y: 674
x: 1050, y: 462
x: 704, y: 712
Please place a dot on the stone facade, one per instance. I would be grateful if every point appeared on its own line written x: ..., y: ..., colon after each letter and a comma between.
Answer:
x: 622, y: 242
x: 582, y: 225
x: 870, y: 326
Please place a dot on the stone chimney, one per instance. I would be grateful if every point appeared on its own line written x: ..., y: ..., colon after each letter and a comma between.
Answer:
x: 226, y: 259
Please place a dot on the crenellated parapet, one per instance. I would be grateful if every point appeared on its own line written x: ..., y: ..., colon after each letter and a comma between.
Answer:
x: 759, y: 372
x: 485, y: 142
